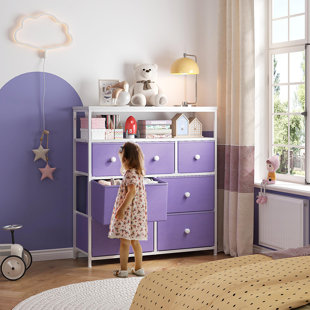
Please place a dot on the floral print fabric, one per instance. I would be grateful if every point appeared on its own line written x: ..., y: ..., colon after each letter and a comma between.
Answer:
x: 134, y: 224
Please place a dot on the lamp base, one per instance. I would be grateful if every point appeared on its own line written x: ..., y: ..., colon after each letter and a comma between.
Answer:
x: 188, y: 104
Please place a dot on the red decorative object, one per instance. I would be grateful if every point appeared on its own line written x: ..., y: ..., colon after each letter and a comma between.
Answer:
x: 131, y: 127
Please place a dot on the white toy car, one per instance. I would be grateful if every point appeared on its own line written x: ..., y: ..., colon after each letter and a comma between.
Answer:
x: 14, y: 259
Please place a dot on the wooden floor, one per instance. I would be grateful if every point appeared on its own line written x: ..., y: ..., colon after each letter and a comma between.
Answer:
x: 50, y: 274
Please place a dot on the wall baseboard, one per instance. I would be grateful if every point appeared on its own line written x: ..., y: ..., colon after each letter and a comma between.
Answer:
x: 259, y: 249
x: 52, y: 254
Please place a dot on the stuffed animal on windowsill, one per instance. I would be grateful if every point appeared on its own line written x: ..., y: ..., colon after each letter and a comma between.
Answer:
x: 273, y: 163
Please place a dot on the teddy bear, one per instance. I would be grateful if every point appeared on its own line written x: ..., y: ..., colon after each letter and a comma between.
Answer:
x: 145, y: 90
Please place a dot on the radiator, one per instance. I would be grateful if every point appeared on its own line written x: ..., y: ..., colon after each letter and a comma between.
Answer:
x: 283, y: 222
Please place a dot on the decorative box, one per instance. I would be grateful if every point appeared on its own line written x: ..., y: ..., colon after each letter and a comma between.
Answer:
x: 118, y: 133
x: 109, y: 134
x: 97, y: 134
x: 96, y: 123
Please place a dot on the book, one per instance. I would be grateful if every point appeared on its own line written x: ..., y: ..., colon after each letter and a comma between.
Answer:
x: 156, y: 136
x: 155, y: 122
x: 143, y: 127
x: 156, y: 131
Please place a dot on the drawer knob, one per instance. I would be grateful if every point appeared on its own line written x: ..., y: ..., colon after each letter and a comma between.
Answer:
x: 156, y: 158
x: 113, y: 159
x: 197, y: 156
x: 187, y: 194
x: 187, y: 230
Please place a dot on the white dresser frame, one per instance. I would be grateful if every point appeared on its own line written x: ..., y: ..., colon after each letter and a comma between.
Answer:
x: 106, y: 110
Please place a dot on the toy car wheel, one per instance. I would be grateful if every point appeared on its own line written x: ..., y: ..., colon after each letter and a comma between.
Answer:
x: 13, y: 267
x: 27, y: 257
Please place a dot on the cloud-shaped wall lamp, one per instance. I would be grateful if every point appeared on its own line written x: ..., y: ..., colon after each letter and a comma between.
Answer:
x: 42, y: 32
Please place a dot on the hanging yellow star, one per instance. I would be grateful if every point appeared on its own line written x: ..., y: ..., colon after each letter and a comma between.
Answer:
x: 47, y: 172
x: 40, y: 153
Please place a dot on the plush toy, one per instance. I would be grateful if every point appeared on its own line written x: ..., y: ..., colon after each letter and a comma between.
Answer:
x: 145, y: 90
x: 120, y: 92
x: 273, y: 164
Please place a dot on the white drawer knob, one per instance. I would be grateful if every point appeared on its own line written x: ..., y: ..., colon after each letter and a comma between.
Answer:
x: 187, y: 194
x: 156, y: 158
x: 187, y: 230
x: 113, y: 159
x: 197, y: 156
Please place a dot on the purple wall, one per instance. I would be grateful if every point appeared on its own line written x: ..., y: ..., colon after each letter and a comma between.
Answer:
x: 44, y: 208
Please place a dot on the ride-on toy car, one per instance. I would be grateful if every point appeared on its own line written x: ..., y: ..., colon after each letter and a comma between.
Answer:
x: 14, y: 259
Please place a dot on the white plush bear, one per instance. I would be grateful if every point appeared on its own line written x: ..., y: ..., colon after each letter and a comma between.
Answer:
x: 145, y: 90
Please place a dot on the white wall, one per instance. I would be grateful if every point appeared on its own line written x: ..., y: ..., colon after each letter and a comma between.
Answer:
x: 109, y: 37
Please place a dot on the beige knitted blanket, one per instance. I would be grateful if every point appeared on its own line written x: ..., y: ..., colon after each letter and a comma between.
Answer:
x: 247, y: 282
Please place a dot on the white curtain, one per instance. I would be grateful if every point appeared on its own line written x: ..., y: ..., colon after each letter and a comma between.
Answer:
x: 236, y: 105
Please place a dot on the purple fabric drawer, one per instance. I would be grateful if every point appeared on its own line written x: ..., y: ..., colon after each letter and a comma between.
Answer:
x: 196, y: 156
x: 172, y: 234
x: 102, y: 154
x: 101, y: 244
x: 199, y: 188
x: 103, y: 199
x: 163, y: 152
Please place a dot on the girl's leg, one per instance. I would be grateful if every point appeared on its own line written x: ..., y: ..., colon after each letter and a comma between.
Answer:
x: 124, y: 253
x: 138, y: 253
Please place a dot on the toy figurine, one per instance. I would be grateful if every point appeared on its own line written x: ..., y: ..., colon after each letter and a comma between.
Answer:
x: 131, y: 127
x: 273, y: 164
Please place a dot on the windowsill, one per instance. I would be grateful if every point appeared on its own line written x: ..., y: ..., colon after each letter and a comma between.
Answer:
x: 287, y: 187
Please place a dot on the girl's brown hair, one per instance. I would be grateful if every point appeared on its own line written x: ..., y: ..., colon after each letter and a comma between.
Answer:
x: 133, y: 154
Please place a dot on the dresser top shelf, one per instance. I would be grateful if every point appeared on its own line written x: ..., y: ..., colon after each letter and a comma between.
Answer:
x: 132, y: 109
x: 189, y: 139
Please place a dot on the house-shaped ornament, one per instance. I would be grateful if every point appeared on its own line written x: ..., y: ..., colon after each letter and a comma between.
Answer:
x: 195, y: 127
x: 180, y: 126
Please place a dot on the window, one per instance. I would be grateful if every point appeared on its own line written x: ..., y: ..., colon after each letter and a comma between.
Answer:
x: 287, y: 39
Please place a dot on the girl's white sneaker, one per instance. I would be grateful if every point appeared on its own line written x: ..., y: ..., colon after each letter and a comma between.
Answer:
x: 121, y: 273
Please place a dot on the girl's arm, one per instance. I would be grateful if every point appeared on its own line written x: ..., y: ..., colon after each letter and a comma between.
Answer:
x: 130, y: 195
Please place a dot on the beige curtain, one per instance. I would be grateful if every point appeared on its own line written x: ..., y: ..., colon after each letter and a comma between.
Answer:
x: 236, y: 126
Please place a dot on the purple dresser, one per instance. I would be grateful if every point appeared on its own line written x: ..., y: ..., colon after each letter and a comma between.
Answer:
x: 181, y: 206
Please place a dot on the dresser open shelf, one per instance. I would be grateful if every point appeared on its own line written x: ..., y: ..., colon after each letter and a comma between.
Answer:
x: 182, y: 208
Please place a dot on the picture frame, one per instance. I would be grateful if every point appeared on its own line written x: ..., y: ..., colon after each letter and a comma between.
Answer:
x: 105, y: 96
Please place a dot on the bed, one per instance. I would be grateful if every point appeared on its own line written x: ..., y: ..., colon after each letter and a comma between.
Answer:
x: 247, y: 282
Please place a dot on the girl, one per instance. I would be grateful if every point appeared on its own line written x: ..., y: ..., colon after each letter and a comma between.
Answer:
x: 129, y: 217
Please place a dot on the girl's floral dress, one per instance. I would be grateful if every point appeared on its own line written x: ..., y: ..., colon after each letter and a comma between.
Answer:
x: 134, y: 224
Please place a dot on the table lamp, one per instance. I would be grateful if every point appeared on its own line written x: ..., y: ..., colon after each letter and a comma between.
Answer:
x: 186, y: 66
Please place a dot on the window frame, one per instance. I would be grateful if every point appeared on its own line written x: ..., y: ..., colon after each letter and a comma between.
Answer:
x: 289, y: 47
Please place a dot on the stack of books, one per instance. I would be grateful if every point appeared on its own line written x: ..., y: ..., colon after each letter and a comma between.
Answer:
x: 155, y: 129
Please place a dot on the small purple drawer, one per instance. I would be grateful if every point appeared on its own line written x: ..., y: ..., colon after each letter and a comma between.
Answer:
x: 196, y: 156
x: 103, y: 199
x: 101, y: 244
x: 158, y: 157
x: 186, y: 194
x: 184, y: 231
x: 105, y: 159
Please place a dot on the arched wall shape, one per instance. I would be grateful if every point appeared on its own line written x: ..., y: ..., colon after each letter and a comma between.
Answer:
x: 43, y: 207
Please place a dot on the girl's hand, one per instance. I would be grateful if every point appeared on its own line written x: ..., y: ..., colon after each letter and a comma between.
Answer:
x: 120, y: 214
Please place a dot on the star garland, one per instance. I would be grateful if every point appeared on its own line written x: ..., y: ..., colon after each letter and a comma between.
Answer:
x: 41, y: 152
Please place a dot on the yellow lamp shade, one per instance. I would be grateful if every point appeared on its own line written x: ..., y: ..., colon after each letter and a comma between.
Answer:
x: 184, y: 65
